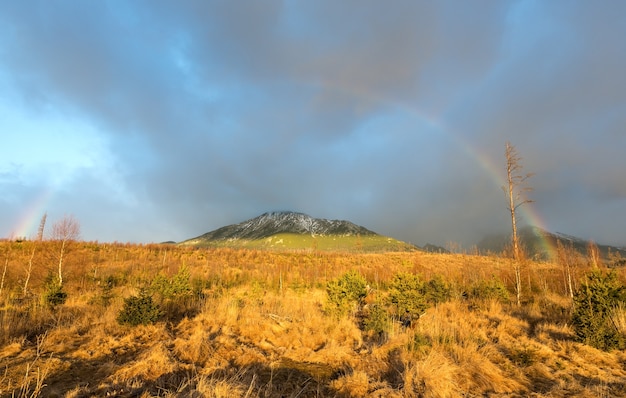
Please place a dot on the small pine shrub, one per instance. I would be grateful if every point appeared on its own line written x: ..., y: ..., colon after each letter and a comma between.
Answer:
x: 53, y: 294
x: 437, y: 290
x: 177, y: 296
x: 594, y: 305
x: 492, y: 289
x: 178, y: 286
x: 377, y: 320
x: 160, y: 286
x: 106, y: 294
x: 139, y: 310
x: 345, y: 293
x: 181, y: 282
x: 407, y: 294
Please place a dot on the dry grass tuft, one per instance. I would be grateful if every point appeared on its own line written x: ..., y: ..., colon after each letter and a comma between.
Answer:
x: 618, y: 317
x: 149, y: 365
x: 219, y: 388
x: 355, y: 384
x: 433, y: 377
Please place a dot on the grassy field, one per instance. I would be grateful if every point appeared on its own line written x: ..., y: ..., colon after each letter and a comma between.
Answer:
x: 260, y: 323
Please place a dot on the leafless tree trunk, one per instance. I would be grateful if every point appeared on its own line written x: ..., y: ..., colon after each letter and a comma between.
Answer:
x: 6, y: 265
x: 515, y: 192
x: 29, y: 270
x: 42, y: 225
x: 65, y: 231
x: 566, y: 258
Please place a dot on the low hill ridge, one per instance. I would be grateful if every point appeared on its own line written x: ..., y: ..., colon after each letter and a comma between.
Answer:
x: 535, y: 239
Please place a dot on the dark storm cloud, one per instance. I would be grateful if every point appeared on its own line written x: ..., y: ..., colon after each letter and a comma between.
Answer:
x: 217, y: 111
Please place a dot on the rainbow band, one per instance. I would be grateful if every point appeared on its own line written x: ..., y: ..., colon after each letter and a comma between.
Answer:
x: 28, y: 221
x: 484, y: 161
x: 528, y: 210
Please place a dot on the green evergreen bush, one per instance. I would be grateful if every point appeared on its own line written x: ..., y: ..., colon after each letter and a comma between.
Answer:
x: 437, y: 290
x: 178, y: 286
x: 139, y: 310
x: 594, y: 304
x: 106, y: 295
x: 53, y: 294
x: 377, y: 320
x: 407, y: 294
x: 491, y: 289
x: 346, y: 293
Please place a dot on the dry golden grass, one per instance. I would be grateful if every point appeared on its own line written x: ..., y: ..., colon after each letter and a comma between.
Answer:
x: 619, y: 318
x: 259, y: 330
x: 433, y: 376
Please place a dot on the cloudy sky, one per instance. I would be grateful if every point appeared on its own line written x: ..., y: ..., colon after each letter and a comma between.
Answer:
x: 161, y: 120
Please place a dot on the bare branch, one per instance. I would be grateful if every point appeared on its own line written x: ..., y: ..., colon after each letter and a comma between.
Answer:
x: 66, y: 230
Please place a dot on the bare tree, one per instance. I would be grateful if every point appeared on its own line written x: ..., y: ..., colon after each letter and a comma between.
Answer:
x: 594, y: 254
x: 65, y: 231
x: 42, y: 225
x: 567, y: 258
x: 515, y: 192
x: 6, y: 265
x: 29, y: 270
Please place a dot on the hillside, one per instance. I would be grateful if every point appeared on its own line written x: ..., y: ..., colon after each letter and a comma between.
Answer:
x: 297, y: 231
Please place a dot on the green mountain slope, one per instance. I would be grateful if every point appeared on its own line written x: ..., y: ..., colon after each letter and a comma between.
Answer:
x: 298, y: 231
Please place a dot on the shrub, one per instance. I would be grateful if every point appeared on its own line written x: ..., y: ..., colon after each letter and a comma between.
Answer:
x: 377, y: 320
x: 53, y: 294
x: 160, y: 286
x: 437, y: 290
x: 345, y: 293
x: 594, y: 304
x: 106, y: 295
x: 492, y: 289
x: 178, y: 286
x: 139, y: 310
x: 181, y: 284
x: 406, y: 293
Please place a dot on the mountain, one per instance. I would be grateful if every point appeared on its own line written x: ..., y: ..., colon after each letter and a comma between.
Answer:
x: 542, y: 244
x: 272, y: 223
x: 430, y: 248
x: 293, y: 230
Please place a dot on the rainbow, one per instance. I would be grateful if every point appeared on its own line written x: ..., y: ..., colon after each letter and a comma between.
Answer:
x: 28, y: 221
x: 528, y: 211
x: 495, y: 171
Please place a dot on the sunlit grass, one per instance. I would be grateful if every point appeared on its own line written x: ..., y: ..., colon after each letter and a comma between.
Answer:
x: 257, y: 326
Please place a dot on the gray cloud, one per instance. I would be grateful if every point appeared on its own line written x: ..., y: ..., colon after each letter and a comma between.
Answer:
x: 214, y: 112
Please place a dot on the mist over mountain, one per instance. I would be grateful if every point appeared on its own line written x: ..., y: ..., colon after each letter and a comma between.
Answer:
x: 541, y: 244
x: 283, y: 222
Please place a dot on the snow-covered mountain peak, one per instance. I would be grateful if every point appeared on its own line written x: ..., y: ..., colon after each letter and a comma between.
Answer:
x: 276, y: 222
